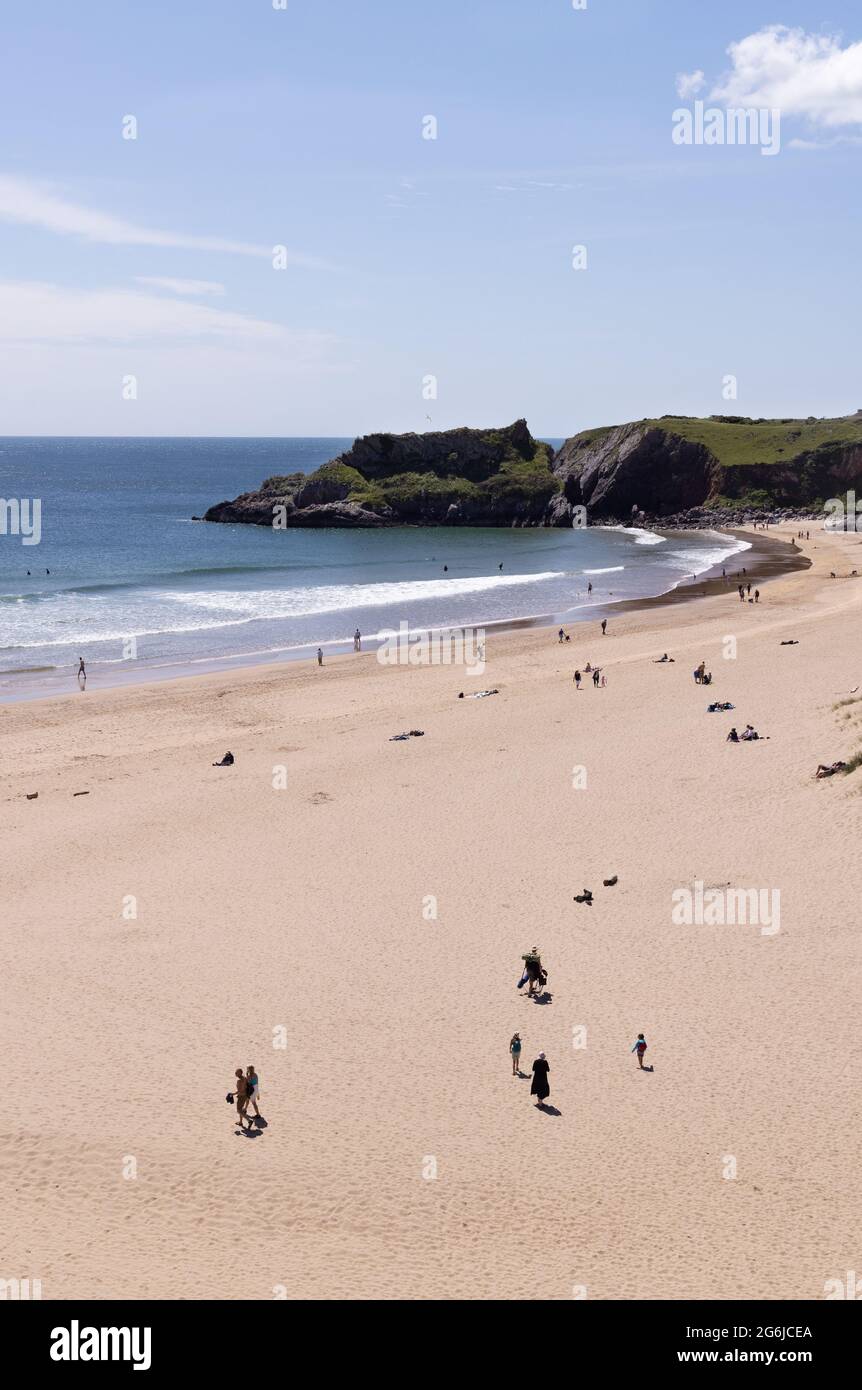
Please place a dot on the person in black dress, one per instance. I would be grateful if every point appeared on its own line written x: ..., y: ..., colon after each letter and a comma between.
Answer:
x: 540, y: 1088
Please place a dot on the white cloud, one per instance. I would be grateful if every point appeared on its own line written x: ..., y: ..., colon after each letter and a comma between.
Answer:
x: 165, y: 282
x: 24, y: 202
x: 801, y: 74
x: 32, y: 310
x: 688, y: 84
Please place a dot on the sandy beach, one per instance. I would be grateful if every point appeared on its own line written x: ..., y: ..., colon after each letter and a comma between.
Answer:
x: 181, y: 920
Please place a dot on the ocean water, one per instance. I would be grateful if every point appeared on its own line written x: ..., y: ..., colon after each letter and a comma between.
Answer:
x: 140, y: 590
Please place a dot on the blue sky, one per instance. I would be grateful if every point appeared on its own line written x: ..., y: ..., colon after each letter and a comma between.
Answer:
x: 407, y: 257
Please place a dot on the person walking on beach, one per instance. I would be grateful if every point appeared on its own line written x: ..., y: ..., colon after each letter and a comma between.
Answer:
x: 757, y: 596
x: 561, y: 634
x: 540, y: 1087
x: 577, y: 679
x: 515, y: 1049
x: 533, y: 971
x: 82, y: 673
x: 640, y: 1048
x: 241, y: 1097
x: 749, y: 588
x: 604, y: 626
x: 253, y: 1084
x: 741, y: 594
x: 357, y: 641
x: 597, y: 671
x: 590, y: 586
x: 320, y: 656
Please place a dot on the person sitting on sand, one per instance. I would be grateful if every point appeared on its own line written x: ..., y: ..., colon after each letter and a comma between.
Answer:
x: 540, y: 1087
x: 750, y: 733
x: 227, y: 761
x: 732, y: 737
x: 515, y: 1049
x: 640, y: 1048
x: 706, y: 679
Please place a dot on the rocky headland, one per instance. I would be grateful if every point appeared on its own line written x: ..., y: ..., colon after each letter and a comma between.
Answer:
x: 676, y: 471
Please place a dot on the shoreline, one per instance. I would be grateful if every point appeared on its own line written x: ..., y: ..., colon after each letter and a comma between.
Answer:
x: 143, y: 878
x: 768, y: 557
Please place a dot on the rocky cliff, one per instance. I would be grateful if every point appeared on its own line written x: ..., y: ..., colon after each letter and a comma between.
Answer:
x: 679, y: 467
x: 461, y: 477
x: 671, y: 465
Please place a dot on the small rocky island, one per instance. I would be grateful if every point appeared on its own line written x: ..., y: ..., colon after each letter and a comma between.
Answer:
x: 678, y: 470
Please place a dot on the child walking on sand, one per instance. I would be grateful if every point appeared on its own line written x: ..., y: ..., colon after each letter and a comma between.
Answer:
x: 515, y: 1049
x: 640, y: 1048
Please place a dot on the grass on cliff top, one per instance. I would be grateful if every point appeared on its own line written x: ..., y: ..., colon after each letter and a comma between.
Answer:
x: 742, y: 443
x: 736, y: 442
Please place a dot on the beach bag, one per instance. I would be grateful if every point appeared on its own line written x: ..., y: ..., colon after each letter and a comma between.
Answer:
x: 523, y: 980
x: 229, y: 1098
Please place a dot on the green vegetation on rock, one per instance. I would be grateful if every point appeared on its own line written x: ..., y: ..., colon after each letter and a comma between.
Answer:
x: 735, y: 442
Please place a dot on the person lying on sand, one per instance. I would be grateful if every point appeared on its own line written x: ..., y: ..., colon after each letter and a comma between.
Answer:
x: 719, y: 707
x: 658, y: 661
x: 790, y: 642
x: 829, y: 769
